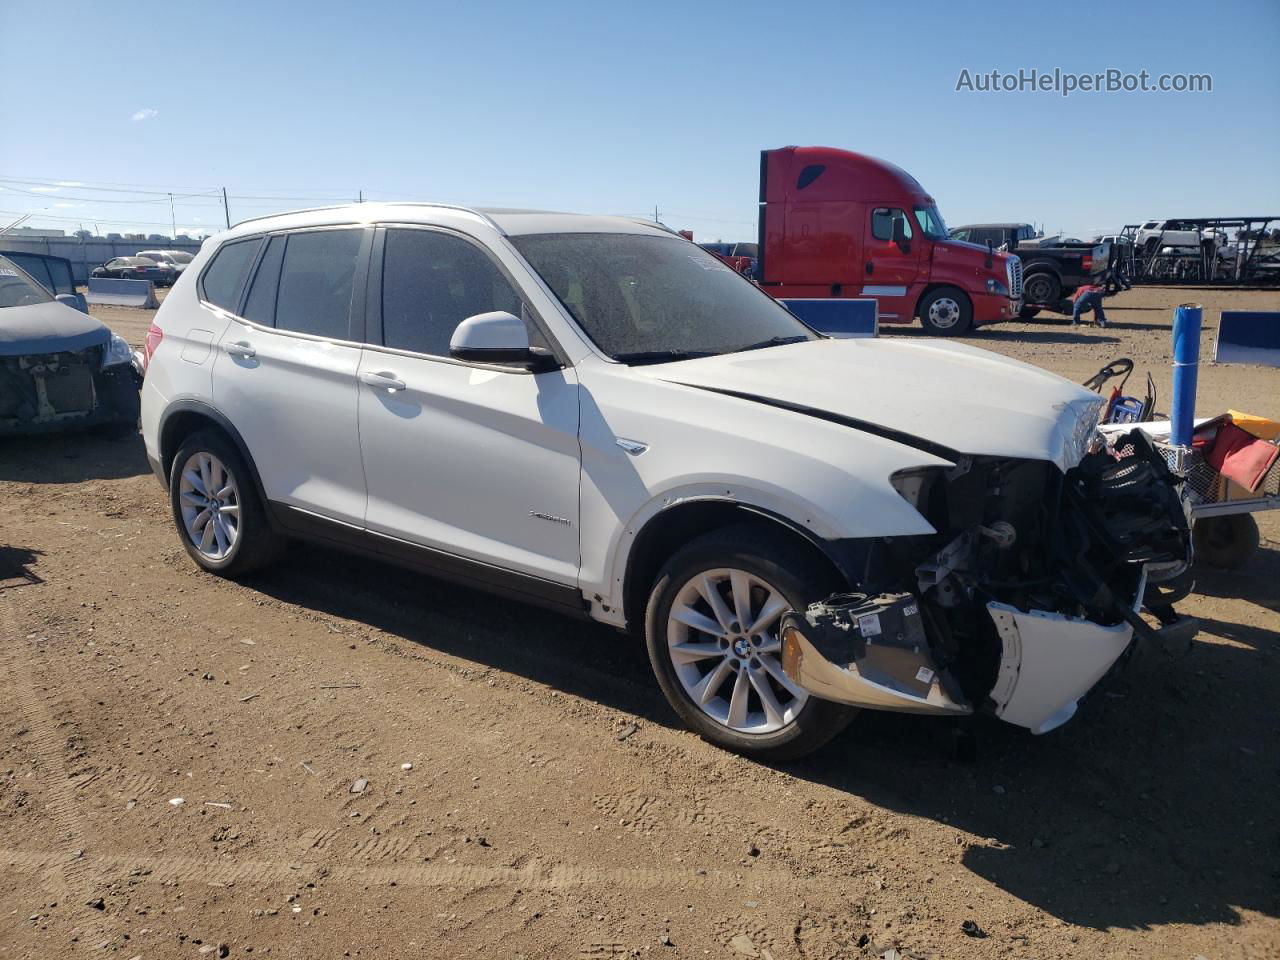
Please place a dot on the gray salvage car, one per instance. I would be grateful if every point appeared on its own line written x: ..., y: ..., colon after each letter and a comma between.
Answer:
x: 59, y: 368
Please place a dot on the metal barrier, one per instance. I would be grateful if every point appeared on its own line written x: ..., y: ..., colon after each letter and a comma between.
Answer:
x: 838, y: 317
x: 1248, y: 336
x: 122, y: 293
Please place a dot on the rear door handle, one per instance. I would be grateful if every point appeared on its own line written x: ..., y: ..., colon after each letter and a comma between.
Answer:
x: 239, y: 348
x: 383, y: 381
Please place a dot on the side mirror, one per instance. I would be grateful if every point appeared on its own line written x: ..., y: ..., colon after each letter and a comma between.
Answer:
x: 498, y: 337
x: 74, y: 300
x: 900, y: 234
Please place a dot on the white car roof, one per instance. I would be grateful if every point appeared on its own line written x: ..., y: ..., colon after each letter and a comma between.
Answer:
x: 510, y: 222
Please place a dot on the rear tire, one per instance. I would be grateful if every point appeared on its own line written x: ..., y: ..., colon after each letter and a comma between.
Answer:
x: 1226, y: 542
x: 1042, y: 288
x: 946, y: 312
x: 221, y: 521
x: 779, y: 575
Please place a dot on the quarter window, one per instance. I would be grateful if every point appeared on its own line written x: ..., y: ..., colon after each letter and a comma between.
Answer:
x: 316, y: 279
x: 224, y: 278
x: 431, y: 282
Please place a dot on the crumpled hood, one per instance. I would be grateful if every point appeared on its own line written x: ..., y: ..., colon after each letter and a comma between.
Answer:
x: 48, y: 328
x: 956, y: 396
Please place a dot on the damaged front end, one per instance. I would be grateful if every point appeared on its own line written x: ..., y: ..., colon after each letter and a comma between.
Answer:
x: 66, y: 389
x: 1025, y: 597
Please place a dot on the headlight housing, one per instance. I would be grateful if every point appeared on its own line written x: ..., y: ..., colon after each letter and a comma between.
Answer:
x: 116, y: 353
x: 996, y: 287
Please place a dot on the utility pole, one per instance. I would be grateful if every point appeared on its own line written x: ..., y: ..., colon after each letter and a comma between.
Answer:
x: 172, y: 221
x: 226, y: 212
x: 361, y: 200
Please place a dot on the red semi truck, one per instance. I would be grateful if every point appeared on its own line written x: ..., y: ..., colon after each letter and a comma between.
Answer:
x: 837, y: 224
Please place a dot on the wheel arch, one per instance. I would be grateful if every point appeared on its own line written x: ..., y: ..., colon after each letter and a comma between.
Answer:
x: 183, y: 418
x: 673, y: 526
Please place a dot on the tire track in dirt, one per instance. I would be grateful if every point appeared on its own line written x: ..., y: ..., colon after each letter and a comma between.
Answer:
x: 66, y: 871
x: 535, y: 875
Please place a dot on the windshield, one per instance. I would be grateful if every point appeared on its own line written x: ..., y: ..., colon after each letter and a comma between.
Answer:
x: 17, y: 289
x: 930, y: 221
x: 651, y: 298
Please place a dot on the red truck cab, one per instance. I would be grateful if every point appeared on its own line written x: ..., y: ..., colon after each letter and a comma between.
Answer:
x: 834, y: 223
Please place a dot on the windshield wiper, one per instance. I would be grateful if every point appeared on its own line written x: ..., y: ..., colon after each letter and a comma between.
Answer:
x: 771, y: 342
x: 660, y: 356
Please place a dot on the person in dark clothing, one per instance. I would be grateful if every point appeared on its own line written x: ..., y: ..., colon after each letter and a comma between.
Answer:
x: 1086, y: 298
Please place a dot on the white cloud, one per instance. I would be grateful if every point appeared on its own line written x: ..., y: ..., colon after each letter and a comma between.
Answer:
x: 67, y: 206
x: 45, y: 189
x: 146, y: 113
x: 71, y: 183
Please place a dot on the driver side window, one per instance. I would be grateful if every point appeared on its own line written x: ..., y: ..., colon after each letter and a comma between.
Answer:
x: 431, y: 282
x: 882, y: 223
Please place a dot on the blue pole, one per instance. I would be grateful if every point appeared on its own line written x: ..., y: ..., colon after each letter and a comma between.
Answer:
x: 1186, y: 368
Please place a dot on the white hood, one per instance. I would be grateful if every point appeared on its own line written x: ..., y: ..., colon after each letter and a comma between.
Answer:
x: 969, y: 400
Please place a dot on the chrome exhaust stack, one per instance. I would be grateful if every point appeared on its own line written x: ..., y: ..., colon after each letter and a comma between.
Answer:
x: 869, y: 652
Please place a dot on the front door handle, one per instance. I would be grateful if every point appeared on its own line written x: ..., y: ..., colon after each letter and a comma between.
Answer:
x: 239, y: 348
x: 383, y: 381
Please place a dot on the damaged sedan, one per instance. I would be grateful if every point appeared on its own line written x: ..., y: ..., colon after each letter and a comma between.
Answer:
x: 60, y: 369
x: 598, y: 416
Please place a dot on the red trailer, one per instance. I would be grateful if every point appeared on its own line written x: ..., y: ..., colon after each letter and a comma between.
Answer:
x: 839, y: 224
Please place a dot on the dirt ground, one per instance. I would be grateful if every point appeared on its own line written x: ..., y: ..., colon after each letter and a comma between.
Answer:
x: 554, y: 807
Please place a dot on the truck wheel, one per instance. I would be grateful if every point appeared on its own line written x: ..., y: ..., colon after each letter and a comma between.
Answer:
x: 946, y: 312
x: 712, y: 630
x: 1042, y: 288
x: 1227, y: 542
x: 220, y: 519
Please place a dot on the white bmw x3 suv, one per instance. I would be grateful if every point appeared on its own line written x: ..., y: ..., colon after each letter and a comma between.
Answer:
x: 594, y: 414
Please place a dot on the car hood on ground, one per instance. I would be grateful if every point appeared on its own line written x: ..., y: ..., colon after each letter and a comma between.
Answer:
x: 947, y: 394
x: 48, y: 328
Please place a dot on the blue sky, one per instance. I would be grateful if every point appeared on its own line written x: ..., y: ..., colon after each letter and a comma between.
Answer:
x: 610, y: 107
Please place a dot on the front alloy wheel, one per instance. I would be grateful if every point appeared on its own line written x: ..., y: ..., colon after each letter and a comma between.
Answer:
x: 712, y: 629
x: 722, y: 637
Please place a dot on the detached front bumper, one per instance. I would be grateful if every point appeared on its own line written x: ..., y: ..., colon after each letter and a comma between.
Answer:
x: 1020, y: 615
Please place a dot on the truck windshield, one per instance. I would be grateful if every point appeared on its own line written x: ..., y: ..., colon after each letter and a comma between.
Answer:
x: 930, y: 221
x: 649, y: 299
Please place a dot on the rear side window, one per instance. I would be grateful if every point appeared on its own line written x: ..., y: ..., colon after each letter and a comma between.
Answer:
x: 224, y: 278
x: 809, y: 174
x: 316, y: 280
x: 431, y: 282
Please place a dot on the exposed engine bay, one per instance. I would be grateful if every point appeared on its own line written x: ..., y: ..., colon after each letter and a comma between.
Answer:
x: 40, y: 392
x: 1028, y: 593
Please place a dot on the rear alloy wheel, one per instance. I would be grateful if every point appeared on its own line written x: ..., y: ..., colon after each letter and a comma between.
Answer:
x: 216, y: 508
x: 946, y: 312
x: 712, y: 628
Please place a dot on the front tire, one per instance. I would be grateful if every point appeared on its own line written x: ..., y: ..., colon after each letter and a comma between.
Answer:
x: 946, y: 312
x: 711, y: 628
x: 220, y: 519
